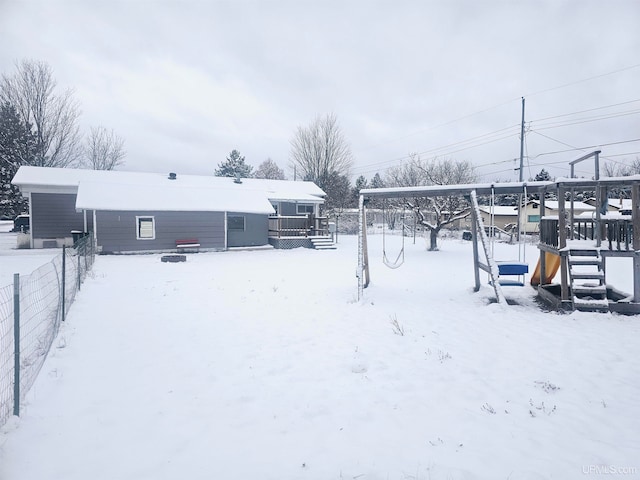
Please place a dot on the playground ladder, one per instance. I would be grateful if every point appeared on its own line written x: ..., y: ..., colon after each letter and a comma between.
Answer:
x: 587, y: 280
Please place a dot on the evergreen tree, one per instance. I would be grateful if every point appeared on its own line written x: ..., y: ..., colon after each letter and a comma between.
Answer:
x: 17, y: 148
x: 361, y: 183
x: 234, y: 166
x: 377, y: 182
x: 543, y: 176
x: 338, y: 190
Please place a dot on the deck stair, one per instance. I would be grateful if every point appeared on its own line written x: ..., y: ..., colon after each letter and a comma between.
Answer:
x: 323, y: 243
x: 588, y: 287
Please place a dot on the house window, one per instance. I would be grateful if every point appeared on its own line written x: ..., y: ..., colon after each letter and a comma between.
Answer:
x: 535, y: 205
x: 533, y: 218
x: 235, y: 222
x: 145, y: 228
x: 303, y: 209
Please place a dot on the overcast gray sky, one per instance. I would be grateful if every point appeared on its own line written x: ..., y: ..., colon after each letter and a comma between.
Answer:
x: 186, y: 81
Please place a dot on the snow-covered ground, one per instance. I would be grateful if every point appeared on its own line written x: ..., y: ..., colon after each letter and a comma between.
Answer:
x: 15, y: 260
x: 262, y: 365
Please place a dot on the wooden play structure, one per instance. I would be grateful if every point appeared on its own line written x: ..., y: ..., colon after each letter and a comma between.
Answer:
x: 576, y: 246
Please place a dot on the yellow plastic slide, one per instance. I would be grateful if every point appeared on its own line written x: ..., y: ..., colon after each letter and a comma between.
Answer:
x: 552, y: 262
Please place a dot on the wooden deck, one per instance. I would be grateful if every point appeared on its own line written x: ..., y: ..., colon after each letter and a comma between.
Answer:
x: 298, y: 226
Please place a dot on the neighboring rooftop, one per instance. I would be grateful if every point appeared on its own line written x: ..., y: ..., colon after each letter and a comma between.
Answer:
x: 118, y: 190
x: 500, y: 210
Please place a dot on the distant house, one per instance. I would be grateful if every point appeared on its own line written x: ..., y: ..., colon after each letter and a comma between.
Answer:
x: 147, y: 212
x: 503, y: 216
x: 532, y: 212
x: 619, y: 205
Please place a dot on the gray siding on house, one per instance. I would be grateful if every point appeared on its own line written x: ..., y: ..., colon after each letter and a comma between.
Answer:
x: 53, y: 215
x: 256, y: 231
x: 287, y: 209
x: 116, y: 231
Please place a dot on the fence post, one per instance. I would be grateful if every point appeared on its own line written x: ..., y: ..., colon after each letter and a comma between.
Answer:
x: 79, y: 272
x: 16, y: 344
x: 64, y: 277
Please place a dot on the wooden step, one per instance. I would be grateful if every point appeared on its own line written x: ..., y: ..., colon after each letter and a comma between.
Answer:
x: 324, y: 247
x: 590, y: 305
x: 584, y: 252
x: 589, y: 289
x: 586, y: 260
x: 323, y: 243
x: 599, y: 275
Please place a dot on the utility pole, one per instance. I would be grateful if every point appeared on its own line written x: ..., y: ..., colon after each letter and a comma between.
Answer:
x: 521, y: 174
x: 522, y: 142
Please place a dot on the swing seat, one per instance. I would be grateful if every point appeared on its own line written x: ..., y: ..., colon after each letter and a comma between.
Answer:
x: 512, y: 268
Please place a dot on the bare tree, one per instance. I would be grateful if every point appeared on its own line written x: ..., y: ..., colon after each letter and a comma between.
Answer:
x: 53, y: 117
x: 319, y: 150
x: 269, y: 169
x: 434, y: 213
x: 620, y: 169
x: 103, y: 150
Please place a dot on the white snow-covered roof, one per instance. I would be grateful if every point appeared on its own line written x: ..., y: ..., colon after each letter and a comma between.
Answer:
x: 616, y: 203
x: 171, y: 197
x: 553, y: 205
x: 500, y: 210
x: 300, y: 197
x: 99, y: 189
x: 620, y: 203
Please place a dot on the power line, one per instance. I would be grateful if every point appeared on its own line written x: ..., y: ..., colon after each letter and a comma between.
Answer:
x: 586, y: 111
x: 631, y: 67
x: 498, y: 135
x: 586, y: 120
x: 545, y: 126
x: 464, y: 117
x: 573, y: 148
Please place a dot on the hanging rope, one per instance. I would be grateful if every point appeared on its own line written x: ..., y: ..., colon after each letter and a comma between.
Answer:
x: 400, y: 258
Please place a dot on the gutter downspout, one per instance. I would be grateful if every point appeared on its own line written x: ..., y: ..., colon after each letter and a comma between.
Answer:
x: 95, y: 231
x: 30, y: 224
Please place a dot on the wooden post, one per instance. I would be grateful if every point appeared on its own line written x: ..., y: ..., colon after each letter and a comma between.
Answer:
x: 366, y: 248
x: 361, y: 226
x: 562, y: 243
x: 602, y: 203
x: 543, y: 254
x: 571, y: 210
x: 635, y: 218
x: 474, y: 239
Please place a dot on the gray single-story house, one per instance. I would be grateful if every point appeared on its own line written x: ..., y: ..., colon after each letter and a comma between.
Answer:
x: 153, y: 212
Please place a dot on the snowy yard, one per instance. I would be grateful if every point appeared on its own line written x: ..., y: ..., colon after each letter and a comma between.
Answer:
x: 22, y: 261
x: 262, y: 365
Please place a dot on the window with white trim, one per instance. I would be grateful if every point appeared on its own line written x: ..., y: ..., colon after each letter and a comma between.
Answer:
x: 302, y: 209
x: 145, y: 228
x: 235, y: 222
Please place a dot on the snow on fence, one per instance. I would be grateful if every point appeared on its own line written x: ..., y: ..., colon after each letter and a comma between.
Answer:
x: 30, y: 314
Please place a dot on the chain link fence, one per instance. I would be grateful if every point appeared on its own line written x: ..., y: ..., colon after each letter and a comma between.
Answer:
x: 31, y: 311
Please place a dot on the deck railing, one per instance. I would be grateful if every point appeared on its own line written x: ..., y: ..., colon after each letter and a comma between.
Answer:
x: 298, y: 226
x: 619, y: 234
x: 616, y: 233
